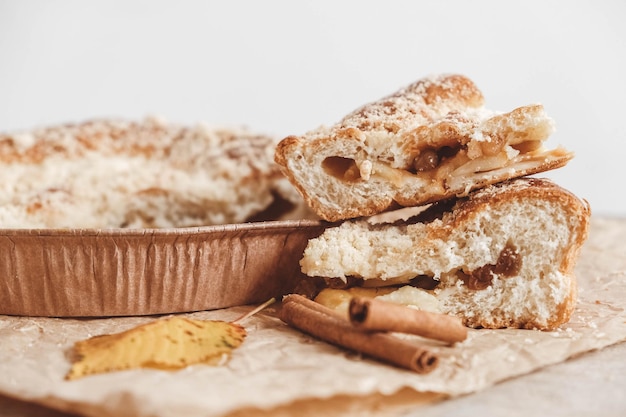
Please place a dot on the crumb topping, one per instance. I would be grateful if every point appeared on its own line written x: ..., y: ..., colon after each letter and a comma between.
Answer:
x: 118, y: 173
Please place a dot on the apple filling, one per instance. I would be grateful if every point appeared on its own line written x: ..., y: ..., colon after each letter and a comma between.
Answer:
x: 442, y: 165
x: 419, y: 291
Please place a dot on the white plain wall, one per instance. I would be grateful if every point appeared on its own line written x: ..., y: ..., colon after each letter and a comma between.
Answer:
x: 284, y: 67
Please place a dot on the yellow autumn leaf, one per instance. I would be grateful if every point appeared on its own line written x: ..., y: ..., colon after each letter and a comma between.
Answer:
x: 168, y: 344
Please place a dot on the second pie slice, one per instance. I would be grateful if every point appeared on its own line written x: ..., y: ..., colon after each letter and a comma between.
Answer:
x: 431, y: 140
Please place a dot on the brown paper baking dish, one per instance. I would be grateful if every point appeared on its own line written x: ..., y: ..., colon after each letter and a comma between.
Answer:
x: 119, y: 272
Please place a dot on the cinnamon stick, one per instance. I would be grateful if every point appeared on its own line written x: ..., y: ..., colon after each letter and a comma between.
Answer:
x: 322, y: 322
x: 377, y: 315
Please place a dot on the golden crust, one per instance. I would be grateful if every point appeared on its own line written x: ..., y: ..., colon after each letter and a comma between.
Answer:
x: 429, y: 141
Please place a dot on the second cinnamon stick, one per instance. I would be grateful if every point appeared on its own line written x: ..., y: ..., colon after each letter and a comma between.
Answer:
x: 377, y: 315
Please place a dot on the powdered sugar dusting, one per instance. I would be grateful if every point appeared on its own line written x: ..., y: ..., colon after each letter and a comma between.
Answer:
x: 417, y: 104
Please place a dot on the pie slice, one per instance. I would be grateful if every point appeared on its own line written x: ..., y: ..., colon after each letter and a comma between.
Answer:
x: 503, y: 256
x: 427, y: 142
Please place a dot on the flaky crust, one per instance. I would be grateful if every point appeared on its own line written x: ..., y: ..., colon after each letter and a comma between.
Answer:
x: 429, y: 141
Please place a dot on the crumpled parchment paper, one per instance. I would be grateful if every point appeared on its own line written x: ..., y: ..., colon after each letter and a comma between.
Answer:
x: 279, y: 370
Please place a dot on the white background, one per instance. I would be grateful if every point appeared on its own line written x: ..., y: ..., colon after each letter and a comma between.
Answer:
x: 284, y: 67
